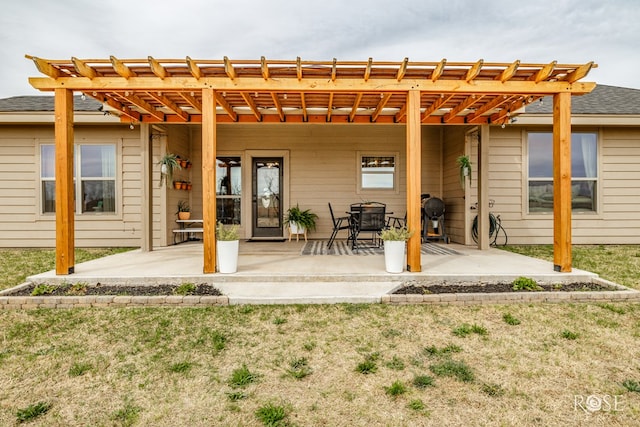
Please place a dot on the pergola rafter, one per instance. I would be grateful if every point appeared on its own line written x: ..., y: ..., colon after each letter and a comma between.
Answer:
x: 339, y: 91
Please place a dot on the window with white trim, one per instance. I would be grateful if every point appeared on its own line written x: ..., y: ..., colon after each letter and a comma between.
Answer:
x: 584, y: 172
x: 94, y: 179
x: 377, y: 172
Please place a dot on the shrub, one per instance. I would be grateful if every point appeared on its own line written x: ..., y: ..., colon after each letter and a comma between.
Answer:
x: 43, y: 289
x: 525, y: 284
x: 185, y: 289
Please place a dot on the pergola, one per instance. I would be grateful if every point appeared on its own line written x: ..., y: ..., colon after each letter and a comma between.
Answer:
x: 295, y: 91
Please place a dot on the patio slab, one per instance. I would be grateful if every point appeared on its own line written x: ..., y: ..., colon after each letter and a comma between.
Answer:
x: 277, y: 273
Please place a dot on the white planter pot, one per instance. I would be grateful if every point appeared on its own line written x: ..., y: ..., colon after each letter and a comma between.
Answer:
x: 394, y: 255
x: 227, y: 254
x: 295, y: 228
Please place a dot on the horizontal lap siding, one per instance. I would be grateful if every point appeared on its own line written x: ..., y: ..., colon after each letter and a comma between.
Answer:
x: 618, y: 220
x: 452, y: 192
x: 21, y: 225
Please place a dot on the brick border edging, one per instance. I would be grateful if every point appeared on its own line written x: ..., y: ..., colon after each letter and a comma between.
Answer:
x: 113, y: 301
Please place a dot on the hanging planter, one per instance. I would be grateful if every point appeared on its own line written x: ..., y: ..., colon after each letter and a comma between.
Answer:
x: 464, y: 163
x: 168, y: 164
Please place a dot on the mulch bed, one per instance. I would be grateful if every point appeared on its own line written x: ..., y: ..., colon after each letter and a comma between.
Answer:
x: 129, y: 290
x: 460, y: 288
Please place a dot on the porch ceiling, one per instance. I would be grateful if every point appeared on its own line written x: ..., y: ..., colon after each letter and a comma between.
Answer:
x: 169, y: 90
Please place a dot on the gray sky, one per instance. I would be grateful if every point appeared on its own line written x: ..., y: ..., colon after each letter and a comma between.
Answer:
x: 569, y: 31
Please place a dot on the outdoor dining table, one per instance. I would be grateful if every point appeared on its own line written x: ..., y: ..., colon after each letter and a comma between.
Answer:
x: 366, y: 217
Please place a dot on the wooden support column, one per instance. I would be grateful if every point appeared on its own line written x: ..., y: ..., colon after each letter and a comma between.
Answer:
x: 562, y: 182
x: 414, y: 178
x: 65, y: 228
x: 209, y: 179
x: 483, y: 188
x: 146, y: 204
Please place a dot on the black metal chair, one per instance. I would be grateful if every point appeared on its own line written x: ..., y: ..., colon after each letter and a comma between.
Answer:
x: 367, y: 217
x: 340, y: 223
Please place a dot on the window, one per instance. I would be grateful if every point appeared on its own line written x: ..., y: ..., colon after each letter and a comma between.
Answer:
x: 584, y: 172
x: 228, y: 189
x: 377, y: 172
x: 94, y: 180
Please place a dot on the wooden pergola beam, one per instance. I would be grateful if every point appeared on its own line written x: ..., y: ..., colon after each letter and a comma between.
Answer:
x: 83, y: 69
x: 170, y: 105
x: 367, y: 70
x: 144, y: 105
x: 544, y: 72
x: 226, y: 106
x: 436, y: 106
x: 468, y: 102
x: 579, y: 73
x: 509, y: 72
x: 474, y: 71
x: 278, y: 104
x: 252, y: 105
x: 562, y: 182
x: 228, y: 68
x: 264, y: 67
x: 414, y: 174
x: 65, y: 220
x: 495, y: 103
x: 121, y: 68
x: 303, y: 103
x: 383, y: 101
x: 402, y: 70
x: 194, y: 69
x: 192, y: 101
x: 157, y: 68
x: 356, y: 105
x: 437, y: 71
x: 209, y: 149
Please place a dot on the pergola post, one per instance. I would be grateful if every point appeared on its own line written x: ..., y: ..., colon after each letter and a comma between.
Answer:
x: 414, y: 175
x: 483, y: 188
x: 562, y: 182
x: 146, y: 205
x: 209, y: 179
x: 65, y: 228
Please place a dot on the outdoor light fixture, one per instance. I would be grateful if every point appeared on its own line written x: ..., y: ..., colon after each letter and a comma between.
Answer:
x: 83, y: 96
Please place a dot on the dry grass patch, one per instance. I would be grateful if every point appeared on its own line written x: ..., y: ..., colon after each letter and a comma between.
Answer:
x: 168, y: 367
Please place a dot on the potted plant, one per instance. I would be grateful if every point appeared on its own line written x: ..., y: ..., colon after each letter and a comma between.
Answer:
x: 395, y: 239
x: 300, y: 221
x: 184, y: 210
x: 168, y: 164
x: 465, y: 168
x: 227, y: 245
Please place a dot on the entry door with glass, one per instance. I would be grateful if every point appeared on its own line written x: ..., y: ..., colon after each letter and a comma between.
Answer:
x: 267, y: 197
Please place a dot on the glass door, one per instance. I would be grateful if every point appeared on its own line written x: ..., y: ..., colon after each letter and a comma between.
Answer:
x: 267, y: 200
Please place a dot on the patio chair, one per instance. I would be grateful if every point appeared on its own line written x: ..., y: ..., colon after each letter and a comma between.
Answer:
x: 340, y: 223
x: 368, y: 218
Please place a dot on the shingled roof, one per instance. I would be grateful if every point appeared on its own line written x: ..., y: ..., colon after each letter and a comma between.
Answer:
x: 24, y: 104
x: 609, y: 100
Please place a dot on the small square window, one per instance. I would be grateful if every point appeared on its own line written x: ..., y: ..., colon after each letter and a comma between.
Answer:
x: 377, y: 172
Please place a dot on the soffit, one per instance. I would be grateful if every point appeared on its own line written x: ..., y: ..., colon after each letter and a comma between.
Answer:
x: 169, y: 90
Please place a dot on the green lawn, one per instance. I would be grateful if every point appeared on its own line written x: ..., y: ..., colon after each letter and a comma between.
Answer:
x: 326, y: 365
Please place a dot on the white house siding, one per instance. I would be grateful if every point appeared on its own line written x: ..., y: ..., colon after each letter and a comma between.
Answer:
x: 22, y: 225
x: 453, y: 195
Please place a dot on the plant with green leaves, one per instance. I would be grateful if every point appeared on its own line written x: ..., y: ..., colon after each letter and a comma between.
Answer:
x: 525, y: 284
x: 183, y: 206
x: 397, y: 234
x: 465, y: 168
x: 32, y: 411
x: 226, y: 233
x: 168, y: 164
x: 302, y: 218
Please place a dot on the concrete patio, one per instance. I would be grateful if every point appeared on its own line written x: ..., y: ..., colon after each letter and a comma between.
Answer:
x: 276, y: 272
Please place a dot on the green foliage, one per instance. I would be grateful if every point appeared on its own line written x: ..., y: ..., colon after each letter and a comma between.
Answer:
x: 77, y: 289
x: 183, y: 206
x: 399, y: 234
x: 241, y: 377
x: 467, y: 329
x: 185, y: 289
x: 299, y: 368
x: 227, y: 233
x: 170, y: 163
x: 304, y: 218
x: 510, y: 320
x: 236, y: 395
x: 417, y: 405
x: 614, y: 308
x: 395, y: 389
x: 128, y: 415
x: 632, y: 385
x: 181, y: 367
x: 78, y: 369
x: 525, y: 284
x: 396, y: 364
x: 453, y: 368
x: 271, y: 415
x: 448, y: 349
x: 494, y: 390
x: 422, y: 381
x: 391, y: 333
x: 464, y: 162
x: 32, y: 411
x: 569, y: 335
x: 43, y: 289
x: 218, y: 341
x: 279, y: 321
x: 368, y: 366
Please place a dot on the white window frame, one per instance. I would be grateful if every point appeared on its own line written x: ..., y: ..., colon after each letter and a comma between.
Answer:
x: 77, y: 181
x: 394, y: 174
x: 597, y: 180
